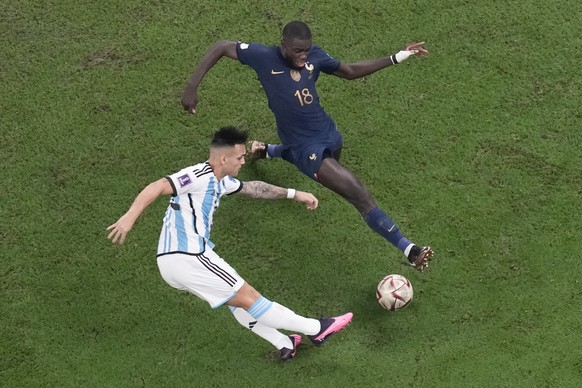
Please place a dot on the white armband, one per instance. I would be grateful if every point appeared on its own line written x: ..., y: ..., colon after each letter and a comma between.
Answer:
x: 290, y: 193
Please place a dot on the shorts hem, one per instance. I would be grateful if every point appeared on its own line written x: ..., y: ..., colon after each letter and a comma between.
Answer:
x: 224, y: 301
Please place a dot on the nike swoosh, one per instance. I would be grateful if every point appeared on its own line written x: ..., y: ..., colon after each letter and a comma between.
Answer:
x: 391, y: 229
x: 276, y: 72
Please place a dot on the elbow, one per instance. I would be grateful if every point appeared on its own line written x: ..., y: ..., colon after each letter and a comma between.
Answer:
x: 351, y: 76
x: 221, y: 44
x: 348, y: 74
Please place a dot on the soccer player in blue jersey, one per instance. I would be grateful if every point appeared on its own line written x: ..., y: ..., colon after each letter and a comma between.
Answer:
x: 309, y: 137
x: 186, y: 257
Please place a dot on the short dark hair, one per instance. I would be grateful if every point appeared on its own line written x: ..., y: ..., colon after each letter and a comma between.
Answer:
x: 296, y: 30
x: 229, y: 137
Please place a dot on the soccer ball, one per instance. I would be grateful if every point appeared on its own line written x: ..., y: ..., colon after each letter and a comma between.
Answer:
x: 394, y: 292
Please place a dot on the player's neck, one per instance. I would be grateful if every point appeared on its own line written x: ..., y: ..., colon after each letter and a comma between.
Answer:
x: 216, y: 169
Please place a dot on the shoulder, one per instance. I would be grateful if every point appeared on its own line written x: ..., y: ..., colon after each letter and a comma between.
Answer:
x: 231, y: 185
x: 319, y: 52
x: 316, y: 50
x: 322, y: 58
x: 189, y: 176
x: 253, y: 47
x: 201, y: 169
x: 255, y: 54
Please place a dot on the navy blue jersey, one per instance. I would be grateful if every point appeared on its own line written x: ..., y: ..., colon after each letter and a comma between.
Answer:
x: 291, y: 93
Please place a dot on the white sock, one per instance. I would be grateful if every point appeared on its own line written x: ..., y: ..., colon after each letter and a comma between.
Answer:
x: 274, y: 315
x: 275, y: 337
x: 407, y: 250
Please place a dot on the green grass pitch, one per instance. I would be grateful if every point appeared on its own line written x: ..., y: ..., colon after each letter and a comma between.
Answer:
x: 474, y: 149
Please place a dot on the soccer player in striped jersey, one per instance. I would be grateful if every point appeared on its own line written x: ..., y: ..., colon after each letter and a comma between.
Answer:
x: 186, y: 257
x: 309, y: 137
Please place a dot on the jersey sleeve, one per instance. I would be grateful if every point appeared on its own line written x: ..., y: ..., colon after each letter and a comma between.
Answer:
x: 231, y: 185
x: 251, y: 54
x: 184, y: 181
x: 327, y: 63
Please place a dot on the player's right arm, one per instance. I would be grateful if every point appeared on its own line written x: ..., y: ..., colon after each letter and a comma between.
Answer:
x: 223, y: 48
x: 148, y: 195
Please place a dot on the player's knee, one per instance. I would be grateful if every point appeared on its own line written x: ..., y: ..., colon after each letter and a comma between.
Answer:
x: 245, y: 297
x: 364, y: 205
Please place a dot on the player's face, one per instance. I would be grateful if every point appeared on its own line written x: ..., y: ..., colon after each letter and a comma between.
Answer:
x: 295, y: 51
x: 235, y: 159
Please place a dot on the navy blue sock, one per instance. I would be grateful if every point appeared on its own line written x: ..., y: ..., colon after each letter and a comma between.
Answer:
x: 383, y: 225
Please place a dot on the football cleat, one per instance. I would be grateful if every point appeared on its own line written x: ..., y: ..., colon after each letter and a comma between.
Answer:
x: 419, y: 257
x: 330, y: 326
x: 257, y: 150
x: 286, y: 354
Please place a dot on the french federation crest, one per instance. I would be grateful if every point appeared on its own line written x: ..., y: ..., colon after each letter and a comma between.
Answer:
x: 296, y: 75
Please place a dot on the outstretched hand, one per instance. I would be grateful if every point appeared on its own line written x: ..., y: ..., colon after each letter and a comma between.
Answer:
x: 120, y: 229
x: 417, y: 49
x: 190, y: 100
x: 307, y: 198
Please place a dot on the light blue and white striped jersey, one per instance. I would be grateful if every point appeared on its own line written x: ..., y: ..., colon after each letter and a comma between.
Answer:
x: 188, y: 220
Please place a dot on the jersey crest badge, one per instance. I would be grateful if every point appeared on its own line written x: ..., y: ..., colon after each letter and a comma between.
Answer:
x: 313, y: 157
x: 296, y: 75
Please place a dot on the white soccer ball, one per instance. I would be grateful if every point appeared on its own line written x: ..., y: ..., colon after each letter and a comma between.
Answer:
x: 394, y: 292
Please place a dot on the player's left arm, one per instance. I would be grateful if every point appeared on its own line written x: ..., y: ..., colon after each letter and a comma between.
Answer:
x: 364, y: 68
x: 263, y: 190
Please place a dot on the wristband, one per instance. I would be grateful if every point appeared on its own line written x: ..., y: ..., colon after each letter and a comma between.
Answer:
x: 401, y: 56
x: 290, y: 193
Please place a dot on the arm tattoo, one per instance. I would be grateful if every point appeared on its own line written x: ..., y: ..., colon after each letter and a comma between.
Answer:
x: 262, y: 190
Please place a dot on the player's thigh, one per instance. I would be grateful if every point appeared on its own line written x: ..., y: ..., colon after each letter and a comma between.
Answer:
x: 205, y: 275
x: 308, y: 157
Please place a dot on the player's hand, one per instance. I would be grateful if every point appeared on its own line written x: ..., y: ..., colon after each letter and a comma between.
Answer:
x: 417, y: 49
x: 120, y: 229
x: 307, y: 198
x: 190, y: 99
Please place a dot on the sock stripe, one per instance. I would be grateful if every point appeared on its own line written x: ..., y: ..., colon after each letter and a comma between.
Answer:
x: 261, y: 306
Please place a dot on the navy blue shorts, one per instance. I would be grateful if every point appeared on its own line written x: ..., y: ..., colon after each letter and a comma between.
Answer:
x: 307, y: 157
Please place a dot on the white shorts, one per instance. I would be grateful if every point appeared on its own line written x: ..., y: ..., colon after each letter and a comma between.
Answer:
x: 205, y: 275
